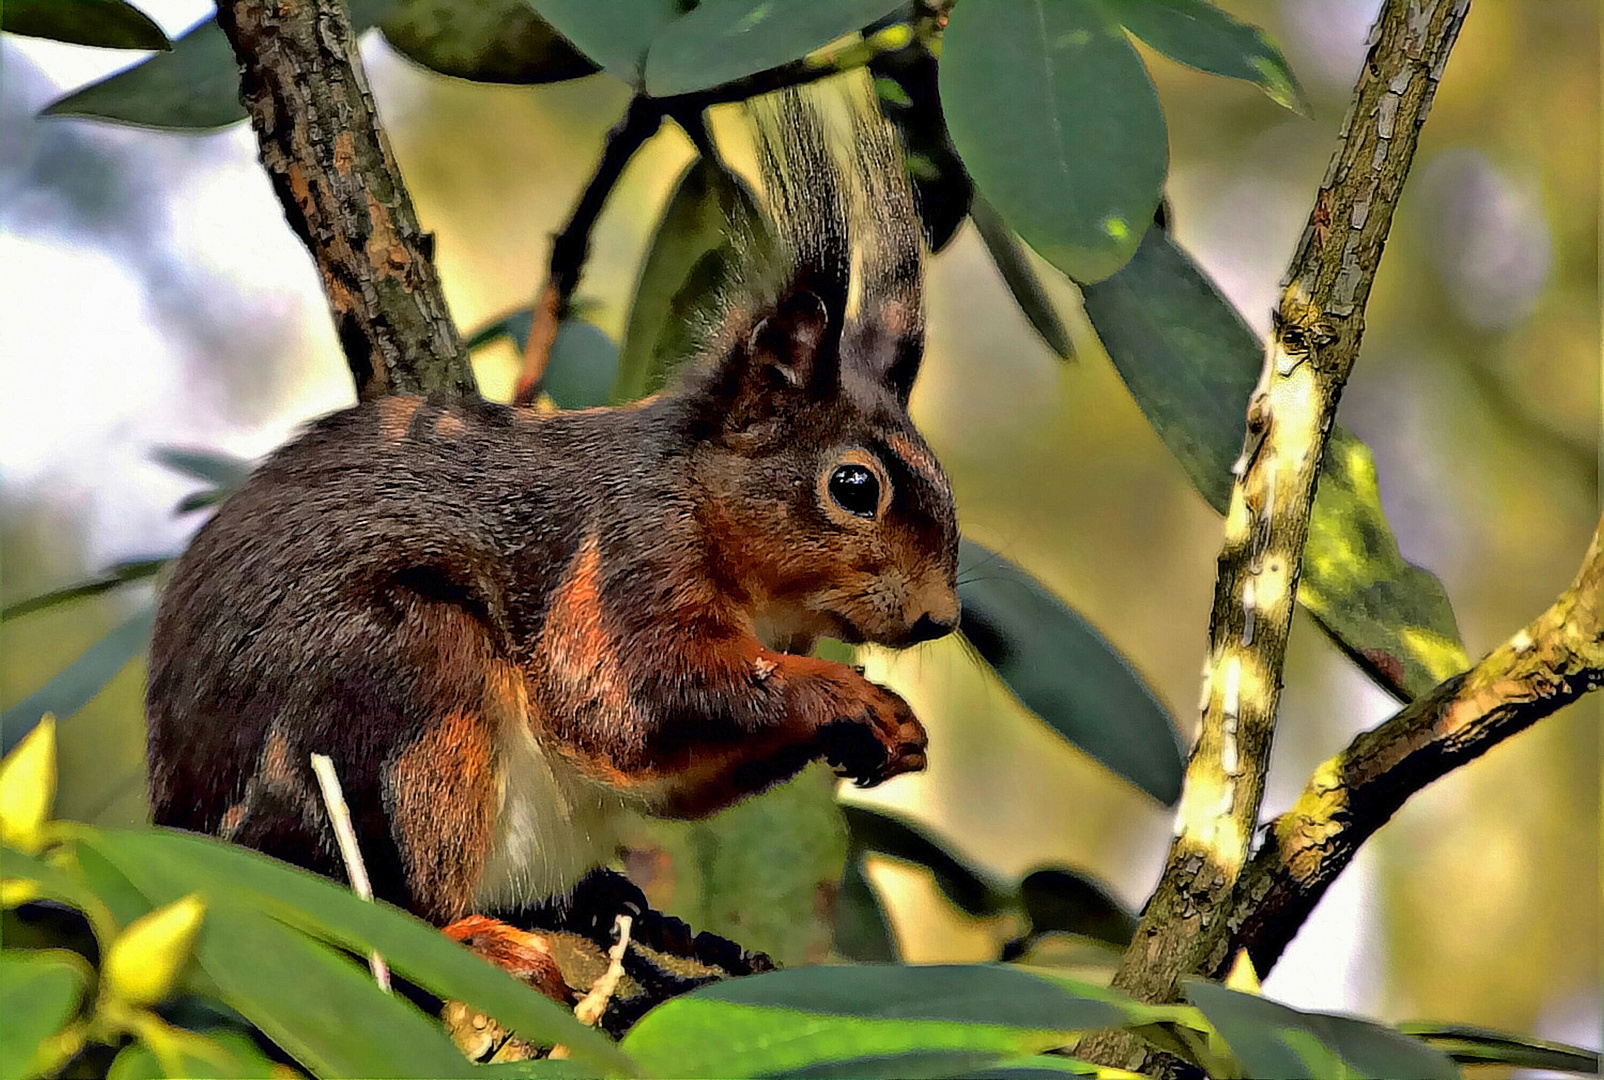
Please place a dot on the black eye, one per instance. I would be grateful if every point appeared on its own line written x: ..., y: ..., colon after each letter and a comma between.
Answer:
x: 855, y: 490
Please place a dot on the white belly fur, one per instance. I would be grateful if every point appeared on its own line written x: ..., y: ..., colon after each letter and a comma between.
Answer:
x: 552, y: 825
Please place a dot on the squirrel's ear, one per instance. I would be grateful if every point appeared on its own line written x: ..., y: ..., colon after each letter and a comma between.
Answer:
x: 788, y: 359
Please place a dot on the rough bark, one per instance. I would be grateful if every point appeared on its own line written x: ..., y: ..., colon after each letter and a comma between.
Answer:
x: 1318, y: 327
x: 331, y: 166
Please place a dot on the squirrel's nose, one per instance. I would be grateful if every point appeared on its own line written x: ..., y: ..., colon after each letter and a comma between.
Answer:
x: 928, y: 629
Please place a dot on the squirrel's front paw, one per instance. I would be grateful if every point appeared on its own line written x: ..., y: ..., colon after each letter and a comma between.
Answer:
x: 881, y: 741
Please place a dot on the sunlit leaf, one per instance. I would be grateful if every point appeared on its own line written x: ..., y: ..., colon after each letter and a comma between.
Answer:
x: 77, y: 684
x: 1059, y: 126
x: 1064, y: 671
x: 1199, y: 34
x: 1256, y: 1029
x: 879, y: 831
x: 691, y: 257
x: 1191, y: 363
x: 39, y: 993
x: 491, y: 41
x: 614, y: 35
x: 108, y: 24
x: 123, y: 573
x: 1482, y: 1046
x: 1020, y: 277
x: 861, y: 1021
x: 724, y: 40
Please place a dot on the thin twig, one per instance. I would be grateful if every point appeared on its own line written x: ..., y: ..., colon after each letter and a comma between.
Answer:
x: 355, y: 869
x: 1556, y: 659
x: 594, y: 1004
x: 1318, y: 327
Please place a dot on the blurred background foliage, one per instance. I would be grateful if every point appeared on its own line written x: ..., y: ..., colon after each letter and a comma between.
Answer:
x: 154, y: 297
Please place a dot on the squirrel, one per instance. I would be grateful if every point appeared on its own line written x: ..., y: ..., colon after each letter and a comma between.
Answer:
x: 505, y: 625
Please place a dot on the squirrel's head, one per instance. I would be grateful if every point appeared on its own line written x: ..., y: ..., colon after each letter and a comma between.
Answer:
x: 820, y: 500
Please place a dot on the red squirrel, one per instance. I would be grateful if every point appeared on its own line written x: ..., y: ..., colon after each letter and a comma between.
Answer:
x: 505, y: 625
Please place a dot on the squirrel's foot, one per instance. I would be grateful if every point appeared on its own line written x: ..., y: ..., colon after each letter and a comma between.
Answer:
x: 882, y: 741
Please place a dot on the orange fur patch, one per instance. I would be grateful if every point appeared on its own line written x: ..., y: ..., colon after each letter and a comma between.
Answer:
x: 917, y: 459
x: 442, y: 791
x: 583, y: 662
x: 395, y: 417
x: 449, y: 425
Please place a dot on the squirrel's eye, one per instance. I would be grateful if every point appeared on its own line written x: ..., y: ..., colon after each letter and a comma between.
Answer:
x: 855, y: 490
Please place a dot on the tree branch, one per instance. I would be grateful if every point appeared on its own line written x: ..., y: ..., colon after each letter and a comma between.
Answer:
x: 1318, y: 327
x: 330, y: 163
x: 1556, y: 659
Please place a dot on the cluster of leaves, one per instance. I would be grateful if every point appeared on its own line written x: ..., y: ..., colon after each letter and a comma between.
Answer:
x: 200, y: 959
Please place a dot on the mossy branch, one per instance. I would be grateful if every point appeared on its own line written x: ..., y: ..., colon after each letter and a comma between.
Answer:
x: 1317, y: 330
x: 302, y: 84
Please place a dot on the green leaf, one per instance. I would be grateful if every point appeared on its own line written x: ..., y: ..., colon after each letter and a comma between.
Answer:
x: 1257, y: 1030
x: 122, y: 573
x: 877, y: 830
x: 862, y: 929
x: 1064, y: 671
x: 692, y: 256
x: 582, y: 367
x: 107, y: 24
x: 489, y: 41
x: 1063, y: 900
x: 164, y: 865
x: 39, y: 993
x: 1200, y: 35
x: 1482, y: 1046
x: 225, y: 471
x: 812, y: 1021
x: 614, y: 35
x: 724, y: 40
x: 1020, y: 277
x: 1058, y: 125
x: 195, y: 87
x: 76, y: 684
x: 514, y: 326
x: 1191, y: 364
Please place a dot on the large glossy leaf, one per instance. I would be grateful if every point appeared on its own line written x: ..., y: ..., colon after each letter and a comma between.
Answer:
x: 1469, y: 1045
x: 39, y: 992
x: 75, y: 685
x: 691, y: 258
x: 814, y: 1021
x: 1020, y: 277
x: 195, y: 87
x: 1199, y: 34
x: 164, y: 865
x: 492, y: 41
x: 1390, y: 616
x: 884, y: 833
x: 613, y: 34
x: 1191, y: 363
x: 1064, y: 671
x: 1272, y: 1040
x: 724, y: 40
x: 1058, y: 125
x: 108, y: 24
x: 123, y: 573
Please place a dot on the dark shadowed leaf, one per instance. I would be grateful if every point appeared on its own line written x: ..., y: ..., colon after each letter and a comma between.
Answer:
x: 724, y: 40
x: 122, y: 573
x: 108, y: 24
x: 195, y: 87
x: 1272, y: 1040
x: 810, y: 1021
x: 1390, y: 616
x: 493, y: 41
x: 1199, y: 34
x: 39, y: 993
x: 582, y: 367
x: 76, y: 684
x: 1014, y: 266
x: 1058, y: 899
x: 1063, y: 670
x: 908, y: 87
x: 862, y: 930
x: 1481, y: 1046
x: 1191, y: 363
x: 1059, y: 126
x: 876, y: 830
x: 281, y: 900
x: 691, y: 258
x: 614, y: 35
